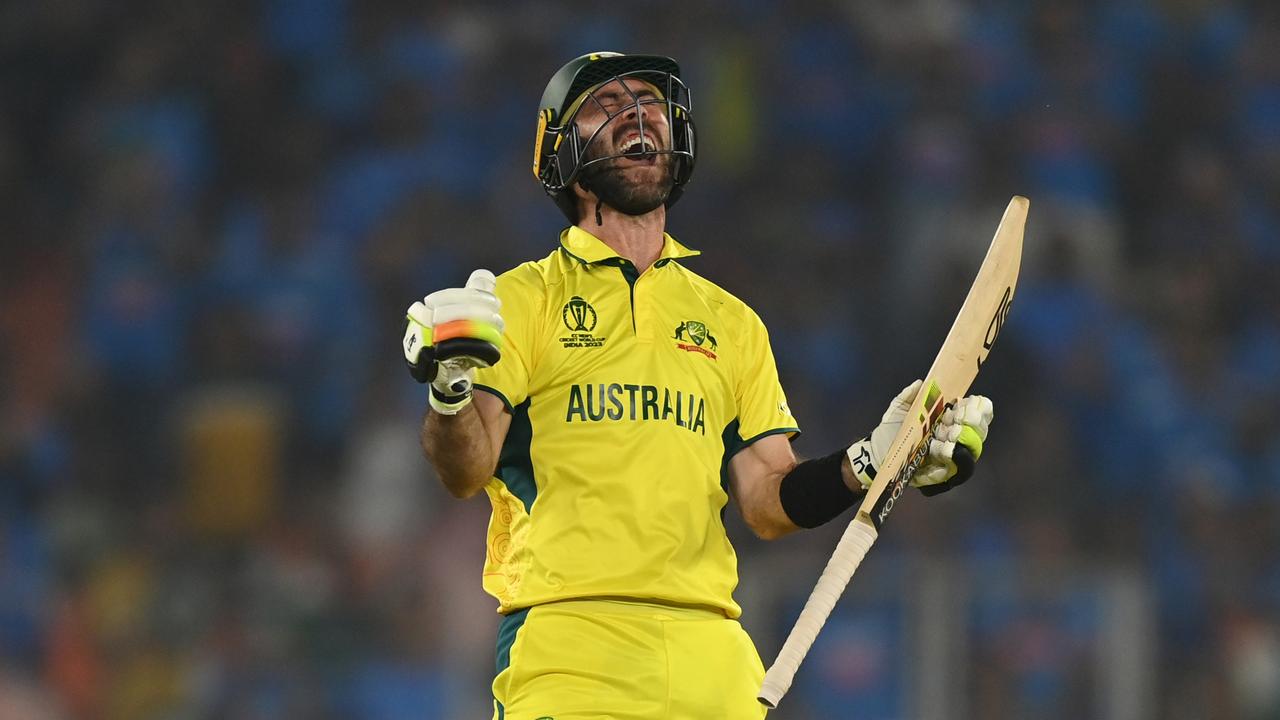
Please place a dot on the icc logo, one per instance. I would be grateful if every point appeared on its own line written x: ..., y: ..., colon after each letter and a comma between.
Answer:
x: 578, y: 315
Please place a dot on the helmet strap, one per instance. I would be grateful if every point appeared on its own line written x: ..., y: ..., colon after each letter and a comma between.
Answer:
x: 582, y: 182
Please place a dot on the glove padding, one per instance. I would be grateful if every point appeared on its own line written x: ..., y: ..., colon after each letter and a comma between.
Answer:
x: 956, y: 445
x: 866, y: 455
x: 450, y: 334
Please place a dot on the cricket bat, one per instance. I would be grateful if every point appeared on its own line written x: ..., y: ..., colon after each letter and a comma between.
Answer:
x: 972, y: 334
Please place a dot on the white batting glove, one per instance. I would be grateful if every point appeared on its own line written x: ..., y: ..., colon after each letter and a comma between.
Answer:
x: 866, y: 455
x: 450, y: 334
x: 956, y: 445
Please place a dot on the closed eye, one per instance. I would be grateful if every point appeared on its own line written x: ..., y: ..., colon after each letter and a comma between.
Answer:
x: 612, y: 99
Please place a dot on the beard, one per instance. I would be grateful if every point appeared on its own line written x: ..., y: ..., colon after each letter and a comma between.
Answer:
x: 628, y: 195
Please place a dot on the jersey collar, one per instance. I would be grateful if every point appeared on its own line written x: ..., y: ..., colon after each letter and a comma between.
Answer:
x: 589, y: 249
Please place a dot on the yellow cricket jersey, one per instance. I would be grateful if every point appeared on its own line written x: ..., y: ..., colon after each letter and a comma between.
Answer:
x: 628, y: 392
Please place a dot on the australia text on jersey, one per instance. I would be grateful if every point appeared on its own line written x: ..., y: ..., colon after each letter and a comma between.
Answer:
x: 618, y: 401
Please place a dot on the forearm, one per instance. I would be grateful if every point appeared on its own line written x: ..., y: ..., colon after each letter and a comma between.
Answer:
x: 779, y: 494
x: 818, y: 490
x: 761, y: 507
x: 460, y: 449
x: 762, y: 501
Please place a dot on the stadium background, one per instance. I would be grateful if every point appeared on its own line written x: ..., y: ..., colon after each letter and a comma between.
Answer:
x: 213, y: 215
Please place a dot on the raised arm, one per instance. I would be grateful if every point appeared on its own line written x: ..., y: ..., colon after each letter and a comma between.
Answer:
x: 447, y: 336
x: 464, y: 447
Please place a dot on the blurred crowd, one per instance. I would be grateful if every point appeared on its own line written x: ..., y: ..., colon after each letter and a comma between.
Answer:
x: 212, y: 503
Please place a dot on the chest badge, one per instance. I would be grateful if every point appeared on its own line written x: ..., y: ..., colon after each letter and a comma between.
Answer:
x: 579, y: 319
x: 698, y: 336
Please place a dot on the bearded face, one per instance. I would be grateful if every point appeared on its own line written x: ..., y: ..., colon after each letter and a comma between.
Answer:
x: 618, y: 183
x: 628, y: 165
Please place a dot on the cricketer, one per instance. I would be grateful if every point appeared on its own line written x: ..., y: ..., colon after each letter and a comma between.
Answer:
x: 610, y: 401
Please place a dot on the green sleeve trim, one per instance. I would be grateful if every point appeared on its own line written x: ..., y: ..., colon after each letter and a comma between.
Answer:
x: 733, y: 443
x: 794, y: 431
x: 494, y: 391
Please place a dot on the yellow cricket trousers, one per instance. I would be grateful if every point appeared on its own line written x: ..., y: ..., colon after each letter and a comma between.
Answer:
x: 593, y: 659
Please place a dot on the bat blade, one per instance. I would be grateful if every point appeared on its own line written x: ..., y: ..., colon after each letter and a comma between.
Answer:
x: 965, y: 348
x: 972, y: 335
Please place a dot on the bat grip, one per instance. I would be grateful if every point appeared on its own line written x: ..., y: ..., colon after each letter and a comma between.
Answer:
x: 853, y: 546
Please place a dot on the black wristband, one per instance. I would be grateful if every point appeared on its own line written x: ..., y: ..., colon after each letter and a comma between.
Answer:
x: 814, y: 492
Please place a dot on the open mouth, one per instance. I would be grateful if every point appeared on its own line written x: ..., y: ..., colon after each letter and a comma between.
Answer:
x: 638, y: 146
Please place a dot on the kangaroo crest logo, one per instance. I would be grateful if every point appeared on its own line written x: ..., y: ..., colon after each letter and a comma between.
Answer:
x: 578, y: 315
x: 580, y: 319
x: 700, y: 336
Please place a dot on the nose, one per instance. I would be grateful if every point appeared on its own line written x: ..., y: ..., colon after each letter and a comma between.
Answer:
x: 637, y: 109
x: 647, y: 117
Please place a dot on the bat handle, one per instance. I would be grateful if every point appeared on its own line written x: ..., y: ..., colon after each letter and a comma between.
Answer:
x: 853, y: 546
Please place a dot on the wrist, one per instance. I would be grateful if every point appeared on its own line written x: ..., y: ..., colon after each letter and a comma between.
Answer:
x: 448, y: 404
x: 862, y: 462
x: 451, y: 389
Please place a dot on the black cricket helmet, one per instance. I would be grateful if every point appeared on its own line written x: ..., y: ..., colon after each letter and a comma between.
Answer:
x: 559, y: 149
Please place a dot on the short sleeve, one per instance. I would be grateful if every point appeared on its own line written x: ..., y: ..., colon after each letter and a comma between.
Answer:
x: 762, y: 405
x: 522, y: 301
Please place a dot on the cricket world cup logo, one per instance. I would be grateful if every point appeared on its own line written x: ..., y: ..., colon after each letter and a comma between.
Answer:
x: 578, y: 315
x: 580, y: 319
